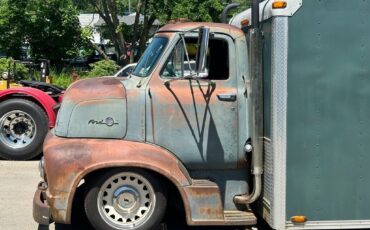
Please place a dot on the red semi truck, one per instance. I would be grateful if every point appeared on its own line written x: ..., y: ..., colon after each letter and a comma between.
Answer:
x: 27, y: 111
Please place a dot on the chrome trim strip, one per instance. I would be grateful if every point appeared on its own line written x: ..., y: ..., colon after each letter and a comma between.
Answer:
x: 336, y: 224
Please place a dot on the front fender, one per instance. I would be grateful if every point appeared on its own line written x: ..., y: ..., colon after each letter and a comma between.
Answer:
x: 43, y: 98
x: 68, y: 161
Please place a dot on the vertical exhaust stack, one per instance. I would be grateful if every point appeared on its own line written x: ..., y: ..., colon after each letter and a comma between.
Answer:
x: 256, y: 106
x: 227, y: 10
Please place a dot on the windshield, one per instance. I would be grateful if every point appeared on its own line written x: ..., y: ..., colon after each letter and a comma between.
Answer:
x: 150, y: 57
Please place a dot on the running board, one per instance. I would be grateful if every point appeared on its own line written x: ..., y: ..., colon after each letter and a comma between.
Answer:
x: 204, y: 206
x: 239, y: 218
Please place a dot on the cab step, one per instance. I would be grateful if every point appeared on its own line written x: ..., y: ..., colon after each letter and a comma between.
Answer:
x: 239, y: 218
x: 204, y: 206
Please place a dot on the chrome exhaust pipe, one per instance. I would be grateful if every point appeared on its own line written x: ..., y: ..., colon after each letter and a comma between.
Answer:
x: 256, y: 107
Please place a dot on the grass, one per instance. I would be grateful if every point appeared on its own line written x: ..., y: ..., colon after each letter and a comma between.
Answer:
x: 68, y: 76
x: 62, y: 80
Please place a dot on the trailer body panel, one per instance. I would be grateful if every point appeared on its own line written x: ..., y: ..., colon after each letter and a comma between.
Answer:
x: 328, y: 113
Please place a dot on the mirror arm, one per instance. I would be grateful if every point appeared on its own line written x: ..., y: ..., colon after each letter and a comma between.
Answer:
x: 203, y: 39
x: 186, y: 52
x: 167, y: 83
x: 190, y: 77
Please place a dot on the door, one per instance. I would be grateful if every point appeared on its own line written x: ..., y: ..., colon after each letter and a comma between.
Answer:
x: 197, y: 119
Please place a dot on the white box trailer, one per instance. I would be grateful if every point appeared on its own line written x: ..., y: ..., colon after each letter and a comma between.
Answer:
x: 316, y: 70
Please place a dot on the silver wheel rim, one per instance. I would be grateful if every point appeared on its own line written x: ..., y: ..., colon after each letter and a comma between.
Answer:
x: 126, y: 200
x: 18, y: 129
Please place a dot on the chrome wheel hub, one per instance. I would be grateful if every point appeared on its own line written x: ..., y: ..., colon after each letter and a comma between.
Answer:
x: 126, y: 200
x: 18, y: 129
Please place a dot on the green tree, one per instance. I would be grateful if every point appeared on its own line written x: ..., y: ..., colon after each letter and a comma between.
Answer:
x: 49, y: 27
x: 152, y: 10
x: 54, y: 31
x: 13, y: 25
x: 109, y: 11
x: 103, y: 68
x: 205, y: 10
x: 87, y: 44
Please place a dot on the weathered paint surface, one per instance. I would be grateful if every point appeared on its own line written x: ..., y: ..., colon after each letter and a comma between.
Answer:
x: 328, y: 111
x: 159, y: 119
x: 69, y: 160
x: 93, y: 108
x: 232, y: 31
x: 193, y: 111
x: 203, y: 203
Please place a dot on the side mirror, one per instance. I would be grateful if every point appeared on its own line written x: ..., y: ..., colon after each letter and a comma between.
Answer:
x: 201, y: 60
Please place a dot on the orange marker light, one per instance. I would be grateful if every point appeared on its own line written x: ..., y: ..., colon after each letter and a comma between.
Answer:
x: 279, y: 5
x: 298, y: 219
x: 244, y: 22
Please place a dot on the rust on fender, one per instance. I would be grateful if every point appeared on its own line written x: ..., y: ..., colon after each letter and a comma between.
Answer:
x: 69, y: 160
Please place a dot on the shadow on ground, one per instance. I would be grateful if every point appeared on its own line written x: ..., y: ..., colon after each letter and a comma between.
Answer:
x: 36, y: 158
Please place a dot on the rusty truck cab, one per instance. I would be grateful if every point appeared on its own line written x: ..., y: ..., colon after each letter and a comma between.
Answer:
x: 165, y: 124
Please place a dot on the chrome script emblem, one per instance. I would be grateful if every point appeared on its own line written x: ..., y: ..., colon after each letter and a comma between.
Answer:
x: 108, y: 122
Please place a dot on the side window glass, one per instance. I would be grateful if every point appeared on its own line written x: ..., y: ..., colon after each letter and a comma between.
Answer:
x: 177, y: 65
x: 174, y: 66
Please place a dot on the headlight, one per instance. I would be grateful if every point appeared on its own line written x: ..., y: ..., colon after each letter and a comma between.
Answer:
x: 41, y: 168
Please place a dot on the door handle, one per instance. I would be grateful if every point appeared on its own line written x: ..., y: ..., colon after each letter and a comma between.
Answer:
x: 226, y: 97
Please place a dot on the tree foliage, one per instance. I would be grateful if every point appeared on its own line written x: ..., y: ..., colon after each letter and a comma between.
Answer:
x: 206, y: 10
x: 109, y: 11
x: 13, y: 24
x: 54, y: 30
x: 103, y: 68
x: 21, y: 70
x: 50, y: 27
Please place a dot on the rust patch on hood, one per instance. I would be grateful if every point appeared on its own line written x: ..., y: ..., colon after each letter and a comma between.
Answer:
x: 88, y: 89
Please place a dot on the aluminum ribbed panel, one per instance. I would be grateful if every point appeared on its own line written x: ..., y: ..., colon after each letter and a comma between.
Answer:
x: 268, y: 172
x: 279, y: 75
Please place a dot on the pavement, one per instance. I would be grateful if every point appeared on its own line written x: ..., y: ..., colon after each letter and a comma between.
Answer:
x: 18, y: 184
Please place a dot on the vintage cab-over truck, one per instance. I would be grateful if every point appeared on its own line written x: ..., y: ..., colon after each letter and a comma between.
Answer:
x: 275, y: 113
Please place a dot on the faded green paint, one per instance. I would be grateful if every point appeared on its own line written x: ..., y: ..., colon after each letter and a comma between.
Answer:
x: 230, y: 182
x: 329, y: 111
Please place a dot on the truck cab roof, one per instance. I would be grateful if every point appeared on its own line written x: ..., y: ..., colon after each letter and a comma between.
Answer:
x: 232, y: 31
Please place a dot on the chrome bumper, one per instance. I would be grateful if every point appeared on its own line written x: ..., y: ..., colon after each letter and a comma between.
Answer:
x: 41, y: 210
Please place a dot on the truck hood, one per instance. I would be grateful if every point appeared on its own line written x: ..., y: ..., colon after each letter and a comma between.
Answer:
x: 93, y: 108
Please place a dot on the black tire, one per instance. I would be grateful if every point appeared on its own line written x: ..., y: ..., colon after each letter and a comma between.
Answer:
x: 96, y: 187
x: 39, y: 120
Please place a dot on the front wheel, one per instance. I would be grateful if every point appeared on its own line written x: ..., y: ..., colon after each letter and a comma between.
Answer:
x: 23, y: 126
x: 132, y: 199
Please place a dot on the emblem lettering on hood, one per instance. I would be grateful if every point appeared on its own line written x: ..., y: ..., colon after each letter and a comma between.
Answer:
x: 108, y: 122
